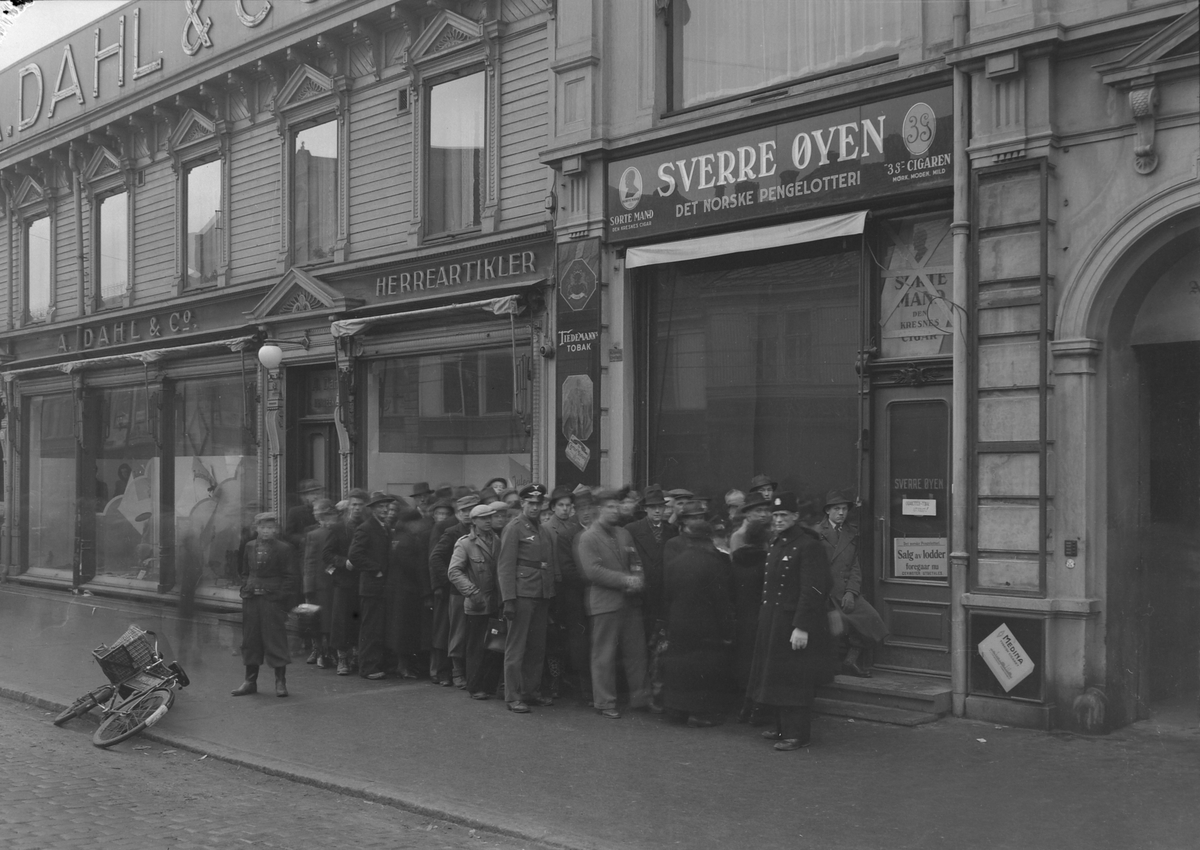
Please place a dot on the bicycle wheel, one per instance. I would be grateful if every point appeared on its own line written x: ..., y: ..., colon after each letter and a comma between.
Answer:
x: 85, y: 704
x: 133, y: 717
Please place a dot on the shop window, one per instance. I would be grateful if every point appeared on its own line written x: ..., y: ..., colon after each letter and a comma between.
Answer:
x: 315, y: 156
x: 216, y: 473
x: 456, y: 154
x: 751, y: 369
x: 204, y: 229
x: 916, y: 270
x: 450, y: 416
x: 48, y: 464
x: 112, y: 247
x: 38, y: 282
x: 127, y: 502
x: 720, y: 49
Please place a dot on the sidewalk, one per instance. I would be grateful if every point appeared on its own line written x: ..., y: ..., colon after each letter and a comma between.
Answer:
x: 564, y: 776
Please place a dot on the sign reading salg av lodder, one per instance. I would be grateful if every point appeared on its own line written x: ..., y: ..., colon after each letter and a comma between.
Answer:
x: 898, y: 145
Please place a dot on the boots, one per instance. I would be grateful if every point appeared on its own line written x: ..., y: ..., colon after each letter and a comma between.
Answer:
x: 281, y: 682
x: 250, y: 686
x: 343, y: 664
x: 459, y: 667
x: 852, y: 667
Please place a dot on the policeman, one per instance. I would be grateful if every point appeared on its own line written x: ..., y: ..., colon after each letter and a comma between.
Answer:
x: 527, y: 575
x: 270, y: 586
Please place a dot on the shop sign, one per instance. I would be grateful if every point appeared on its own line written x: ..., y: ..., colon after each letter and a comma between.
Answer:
x: 577, y: 352
x: 448, y: 275
x: 916, y: 318
x: 920, y: 557
x: 126, y: 52
x: 897, y: 145
x: 1005, y: 657
x: 123, y: 331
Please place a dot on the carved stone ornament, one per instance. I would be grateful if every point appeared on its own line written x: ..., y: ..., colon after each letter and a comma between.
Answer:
x: 1144, y: 103
x: 300, y: 302
x: 449, y: 39
x: 194, y: 133
x: 308, y: 89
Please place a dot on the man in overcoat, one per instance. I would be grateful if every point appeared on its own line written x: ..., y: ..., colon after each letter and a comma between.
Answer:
x: 370, y: 558
x: 650, y: 535
x: 792, y: 650
x: 270, y: 575
x: 343, y: 620
x: 526, y: 572
x: 568, y: 608
x: 865, y: 627
x: 439, y: 562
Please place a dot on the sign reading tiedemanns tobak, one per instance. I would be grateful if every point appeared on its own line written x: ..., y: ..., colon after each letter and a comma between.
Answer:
x: 898, y: 145
x: 577, y: 353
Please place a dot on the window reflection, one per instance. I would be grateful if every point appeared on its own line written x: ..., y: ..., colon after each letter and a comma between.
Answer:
x: 37, y: 268
x: 114, y: 245
x: 50, y: 481
x: 456, y: 146
x: 315, y: 193
x: 204, y: 229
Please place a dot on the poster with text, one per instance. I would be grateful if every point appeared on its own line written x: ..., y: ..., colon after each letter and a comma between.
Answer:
x: 577, y: 355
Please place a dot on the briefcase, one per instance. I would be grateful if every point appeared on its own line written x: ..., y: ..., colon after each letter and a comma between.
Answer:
x: 497, y: 634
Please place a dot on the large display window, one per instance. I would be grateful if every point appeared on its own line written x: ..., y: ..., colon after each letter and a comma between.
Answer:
x: 49, y: 481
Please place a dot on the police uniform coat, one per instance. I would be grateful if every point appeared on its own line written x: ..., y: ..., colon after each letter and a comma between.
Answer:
x: 525, y: 565
x: 841, y: 547
x: 795, y: 584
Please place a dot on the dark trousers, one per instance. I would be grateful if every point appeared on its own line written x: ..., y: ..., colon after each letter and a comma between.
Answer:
x: 793, y: 721
x: 371, y: 634
x: 618, y: 634
x: 525, y: 648
x: 439, y: 658
x: 264, y: 633
x: 484, y: 668
x: 571, y: 615
x: 456, y: 645
x: 343, y: 622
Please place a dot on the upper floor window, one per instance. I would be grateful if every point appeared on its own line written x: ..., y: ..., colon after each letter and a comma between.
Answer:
x: 204, y: 227
x: 112, y: 245
x: 457, y: 112
x: 721, y: 49
x: 315, y: 156
x: 38, y: 289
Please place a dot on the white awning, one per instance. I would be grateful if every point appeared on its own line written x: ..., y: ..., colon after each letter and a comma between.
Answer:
x: 504, y: 306
x: 848, y: 224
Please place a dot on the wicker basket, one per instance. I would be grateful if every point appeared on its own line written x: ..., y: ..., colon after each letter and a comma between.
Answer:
x: 129, y: 655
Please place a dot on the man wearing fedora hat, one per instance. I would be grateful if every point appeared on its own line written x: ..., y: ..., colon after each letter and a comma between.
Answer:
x: 370, y: 558
x: 270, y: 587
x: 865, y: 627
x: 567, y: 610
x: 650, y: 535
x: 764, y: 485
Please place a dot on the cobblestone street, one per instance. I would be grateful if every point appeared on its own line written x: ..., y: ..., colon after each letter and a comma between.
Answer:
x: 58, y: 791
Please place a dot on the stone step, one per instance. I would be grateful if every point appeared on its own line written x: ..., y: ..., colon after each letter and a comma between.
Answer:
x: 874, y: 713
x: 923, y: 694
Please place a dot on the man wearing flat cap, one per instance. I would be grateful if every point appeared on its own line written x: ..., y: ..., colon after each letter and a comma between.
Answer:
x: 473, y: 572
x: 865, y: 627
x: 527, y: 576
x: 450, y: 625
x: 370, y: 558
x: 270, y: 575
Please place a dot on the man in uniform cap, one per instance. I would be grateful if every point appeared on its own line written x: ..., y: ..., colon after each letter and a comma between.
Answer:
x: 675, y: 498
x: 865, y: 627
x: 370, y: 558
x: 270, y: 576
x: 527, y: 577
x: 450, y: 625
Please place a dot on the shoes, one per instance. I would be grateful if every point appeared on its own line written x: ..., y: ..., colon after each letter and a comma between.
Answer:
x: 313, y: 657
x: 545, y: 702
x: 610, y: 713
x: 518, y: 707
x: 481, y: 695
x: 700, y: 722
x: 376, y: 676
x: 406, y: 673
x: 789, y: 744
x: 853, y: 668
x: 323, y: 661
x: 446, y: 683
x: 771, y: 734
x: 343, y: 666
x: 459, y: 682
x: 656, y: 706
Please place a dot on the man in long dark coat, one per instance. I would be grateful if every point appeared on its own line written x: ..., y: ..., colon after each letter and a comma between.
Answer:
x: 343, y: 625
x: 451, y: 629
x: 370, y: 558
x: 270, y: 587
x: 792, y: 651
x: 650, y: 535
x: 865, y: 627
x: 749, y: 557
x: 567, y: 610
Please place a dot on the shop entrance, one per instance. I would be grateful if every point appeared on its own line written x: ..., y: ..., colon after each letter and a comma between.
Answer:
x: 911, y: 515
x: 312, y: 444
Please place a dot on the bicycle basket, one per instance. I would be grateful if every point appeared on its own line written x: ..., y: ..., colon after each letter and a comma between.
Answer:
x: 130, y: 654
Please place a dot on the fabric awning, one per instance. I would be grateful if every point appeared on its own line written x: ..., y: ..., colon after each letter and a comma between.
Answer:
x: 505, y: 306
x: 145, y: 357
x: 848, y: 224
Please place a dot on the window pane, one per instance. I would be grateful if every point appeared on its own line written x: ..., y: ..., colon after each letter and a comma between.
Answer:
x: 216, y: 474
x: 126, y: 485
x: 445, y: 418
x: 456, y: 134
x: 915, y: 319
x: 37, y: 275
x: 315, y: 192
x: 203, y: 223
x: 50, y: 512
x: 918, y: 453
x: 114, y: 245
x: 727, y: 48
x: 752, y: 370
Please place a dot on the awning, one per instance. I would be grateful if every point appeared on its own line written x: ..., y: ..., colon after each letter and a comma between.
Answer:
x: 506, y: 306
x: 150, y: 355
x: 848, y: 224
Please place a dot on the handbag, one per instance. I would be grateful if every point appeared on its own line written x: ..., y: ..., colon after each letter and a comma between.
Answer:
x: 837, y: 626
x: 497, y: 634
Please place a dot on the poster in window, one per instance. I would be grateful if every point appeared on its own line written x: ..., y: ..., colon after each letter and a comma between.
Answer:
x: 577, y: 353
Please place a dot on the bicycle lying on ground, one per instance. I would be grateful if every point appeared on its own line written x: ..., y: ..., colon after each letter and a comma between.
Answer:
x: 140, y: 690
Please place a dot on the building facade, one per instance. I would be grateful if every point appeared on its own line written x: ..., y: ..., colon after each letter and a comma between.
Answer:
x: 943, y: 254
x: 355, y: 185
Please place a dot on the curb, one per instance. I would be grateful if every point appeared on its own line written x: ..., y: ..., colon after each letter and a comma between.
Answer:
x: 370, y: 791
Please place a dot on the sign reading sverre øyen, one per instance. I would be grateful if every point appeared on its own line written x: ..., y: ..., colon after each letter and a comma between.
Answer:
x: 896, y: 145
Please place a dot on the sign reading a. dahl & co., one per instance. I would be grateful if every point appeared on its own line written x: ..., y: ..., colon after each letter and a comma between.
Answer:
x: 896, y: 145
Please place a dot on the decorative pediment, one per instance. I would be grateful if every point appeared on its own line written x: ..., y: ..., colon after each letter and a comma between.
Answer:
x: 446, y: 34
x: 192, y: 128
x: 102, y: 164
x: 303, y: 85
x: 298, y: 292
x: 1173, y: 51
x: 29, y: 192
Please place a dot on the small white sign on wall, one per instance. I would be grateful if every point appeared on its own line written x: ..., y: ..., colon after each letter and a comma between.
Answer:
x: 918, y: 507
x: 1006, y: 658
x: 920, y: 557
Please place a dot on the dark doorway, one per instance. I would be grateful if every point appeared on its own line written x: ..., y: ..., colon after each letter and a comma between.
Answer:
x: 312, y: 448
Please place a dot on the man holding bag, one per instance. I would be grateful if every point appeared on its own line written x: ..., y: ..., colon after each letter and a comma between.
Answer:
x: 473, y: 573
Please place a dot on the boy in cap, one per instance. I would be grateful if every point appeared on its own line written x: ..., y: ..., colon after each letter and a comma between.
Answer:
x: 270, y: 587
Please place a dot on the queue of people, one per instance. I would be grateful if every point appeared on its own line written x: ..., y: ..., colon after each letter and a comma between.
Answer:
x: 704, y: 613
